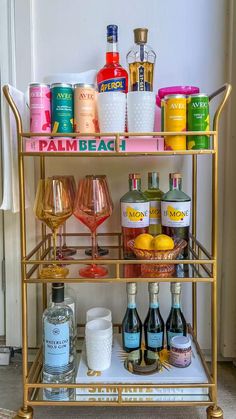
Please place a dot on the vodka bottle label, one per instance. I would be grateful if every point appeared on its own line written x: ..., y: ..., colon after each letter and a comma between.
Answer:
x: 155, y: 212
x: 135, y: 214
x: 57, y: 344
x: 175, y: 214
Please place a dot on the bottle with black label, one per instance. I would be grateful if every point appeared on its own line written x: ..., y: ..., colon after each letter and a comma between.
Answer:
x: 154, y: 325
x: 131, y: 325
x: 176, y: 324
x: 141, y: 60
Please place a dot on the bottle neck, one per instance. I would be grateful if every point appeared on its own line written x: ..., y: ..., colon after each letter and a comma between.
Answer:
x: 131, y: 301
x: 135, y: 184
x: 176, y: 184
x: 153, y: 300
x: 175, y: 301
x: 153, y: 181
x: 58, y: 294
x: 112, y: 53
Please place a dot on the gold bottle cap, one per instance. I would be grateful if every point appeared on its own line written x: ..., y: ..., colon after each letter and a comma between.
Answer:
x: 175, y: 287
x: 132, y: 288
x: 175, y: 176
x: 134, y: 176
x: 153, y: 287
x: 140, y: 35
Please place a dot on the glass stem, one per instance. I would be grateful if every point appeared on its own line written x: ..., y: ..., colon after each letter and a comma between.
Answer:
x: 55, y: 244
x: 64, y: 232
x: 94, y: 244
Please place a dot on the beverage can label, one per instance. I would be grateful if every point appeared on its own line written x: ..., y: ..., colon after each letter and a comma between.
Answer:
x: 198, y: 120
x: 40, y: 108
x: 155, y: 212
x: 113, y: 85
x: 175, y: 119
x: 56, y: 344
x: 134, y: 215
x: 85, y: 110
x: 62, y: 109
x: 176, y: 214
x: 132, y: 340
x: 155, y: 340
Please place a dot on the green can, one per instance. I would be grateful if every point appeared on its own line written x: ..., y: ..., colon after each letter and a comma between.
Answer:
x: 198, y: 120
x: 62, y: 97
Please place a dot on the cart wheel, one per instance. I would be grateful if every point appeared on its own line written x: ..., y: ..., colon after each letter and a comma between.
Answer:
x: 214, y: 412
x: 24, y: 413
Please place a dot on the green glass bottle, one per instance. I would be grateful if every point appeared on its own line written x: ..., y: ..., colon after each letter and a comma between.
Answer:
x: 176, y: 211
x: 176, y: 324
x: 154, y: 325
x: 154, y: 194
x: 131, y: 325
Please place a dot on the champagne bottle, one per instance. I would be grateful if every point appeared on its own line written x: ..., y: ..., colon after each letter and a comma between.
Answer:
x: 154, y: 324
x: 131, y: 325
x: 176, y: 324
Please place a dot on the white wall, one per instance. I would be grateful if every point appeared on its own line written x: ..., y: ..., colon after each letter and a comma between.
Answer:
x: 189, y: 38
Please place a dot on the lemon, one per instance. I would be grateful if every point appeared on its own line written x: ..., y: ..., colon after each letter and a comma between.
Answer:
x: 163, y: 242
x: 143, y: 241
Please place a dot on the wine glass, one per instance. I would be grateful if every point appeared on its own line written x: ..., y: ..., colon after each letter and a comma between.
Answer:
x: 64, y: 251
x: 53, y: 206
x: 93, y: 205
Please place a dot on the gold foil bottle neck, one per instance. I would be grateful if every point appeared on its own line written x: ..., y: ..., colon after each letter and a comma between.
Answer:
x: 131, y: 288
x: 140, y: 35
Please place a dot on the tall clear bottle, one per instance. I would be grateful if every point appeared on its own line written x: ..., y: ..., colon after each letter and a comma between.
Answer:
x: 134, y: 213
x: 131, y: 325
x: 154, y: 194
x: 141, y: 60
x: 71, y: 301
x: 176, y: 324
x: 154, y: 325
x: 176, y: 211
x: 58, y: 346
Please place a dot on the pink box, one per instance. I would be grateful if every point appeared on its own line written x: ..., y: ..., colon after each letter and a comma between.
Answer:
x: 70, y: 145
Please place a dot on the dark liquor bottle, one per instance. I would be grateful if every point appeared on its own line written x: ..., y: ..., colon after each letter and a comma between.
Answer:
x: 176, y: 211
x: 131, y: 325
x: 154, y: 325
x: 176, y: 324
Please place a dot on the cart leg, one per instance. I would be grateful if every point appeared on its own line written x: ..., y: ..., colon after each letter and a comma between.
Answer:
x: 24, y: 413
x: 214, y: 412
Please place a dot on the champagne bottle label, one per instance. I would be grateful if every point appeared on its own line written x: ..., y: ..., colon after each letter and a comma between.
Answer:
x: 57, y: 342
x: 155, y: 212
x: 170, y: 335
x: 154, y: 339
x: 132, y: 340
x: 134, y: 215
x: 175, y: 214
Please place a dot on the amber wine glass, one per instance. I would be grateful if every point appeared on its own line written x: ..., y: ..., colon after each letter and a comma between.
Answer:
x: 93, y: 205
x: 53, y: 206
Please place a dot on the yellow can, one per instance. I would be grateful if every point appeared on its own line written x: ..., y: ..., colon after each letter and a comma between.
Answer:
x: 175, y: 119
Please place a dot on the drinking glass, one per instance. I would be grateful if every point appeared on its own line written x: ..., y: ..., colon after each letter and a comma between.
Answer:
x: 93, y: 205
x: 53, y: 206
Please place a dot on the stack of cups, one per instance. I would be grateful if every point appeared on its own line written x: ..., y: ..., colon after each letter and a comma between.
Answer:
x: 111, y: 111
x: 98, y: 338
x: 141, y: 111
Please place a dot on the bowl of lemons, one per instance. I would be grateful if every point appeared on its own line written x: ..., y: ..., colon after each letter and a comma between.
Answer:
x: 158, y: 248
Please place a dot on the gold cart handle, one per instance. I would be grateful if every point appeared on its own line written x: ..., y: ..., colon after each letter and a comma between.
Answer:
x: 13, y: 107
x: 227, y: 89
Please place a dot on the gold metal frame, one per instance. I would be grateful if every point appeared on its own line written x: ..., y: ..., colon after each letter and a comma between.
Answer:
x: 201, y: 261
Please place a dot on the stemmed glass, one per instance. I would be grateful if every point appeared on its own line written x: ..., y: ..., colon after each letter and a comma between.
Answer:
x: 53, y: 206
x: 93, y: 205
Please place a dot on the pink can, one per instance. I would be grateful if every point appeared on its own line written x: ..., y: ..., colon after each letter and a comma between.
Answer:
x: 40, y: 107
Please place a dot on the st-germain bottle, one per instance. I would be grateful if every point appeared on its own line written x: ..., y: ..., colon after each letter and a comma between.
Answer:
x: 154, y: 194
x: 141, y: 59
x: 58, y: 345
x: 176, y: 324
x: 154, y: 324
x: 134, y: 213
x: 112, y: 77
x: 131, y: 325
x: 176, y: 211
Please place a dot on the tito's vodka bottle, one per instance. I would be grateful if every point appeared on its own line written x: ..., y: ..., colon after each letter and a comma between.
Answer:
x: 154, y: 194
x: 176, y: 324
x: 154, y: 324
x: 112, y: 77
x: 176, y: 211
x: 134, y: 213
x: 131, y: 325
x: 141, y: 59
x: 58, y: 345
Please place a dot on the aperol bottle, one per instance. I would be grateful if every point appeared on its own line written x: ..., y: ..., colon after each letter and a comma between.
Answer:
x: 112, y: 77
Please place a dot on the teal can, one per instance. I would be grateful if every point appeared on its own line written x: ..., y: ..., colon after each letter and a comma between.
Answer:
x: 198, y: 120
x: 62, y: 107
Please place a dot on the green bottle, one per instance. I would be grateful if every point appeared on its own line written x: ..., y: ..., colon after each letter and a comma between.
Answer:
x: 154, y: 195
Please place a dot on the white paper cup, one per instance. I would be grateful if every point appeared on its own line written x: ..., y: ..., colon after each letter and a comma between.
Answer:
x: 98, y: 313
x: 111, y: 111
x: 141, y: 111
x: 98, y: 338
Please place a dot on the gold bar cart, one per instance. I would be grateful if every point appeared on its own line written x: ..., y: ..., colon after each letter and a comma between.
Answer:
x: 203, y: 265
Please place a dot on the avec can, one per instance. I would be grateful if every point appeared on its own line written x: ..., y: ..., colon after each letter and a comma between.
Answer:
x: 62, y: 107
x: 40, y: 107
x: 85, y: 108
x: 198, y: 120
x: 174, y: 119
